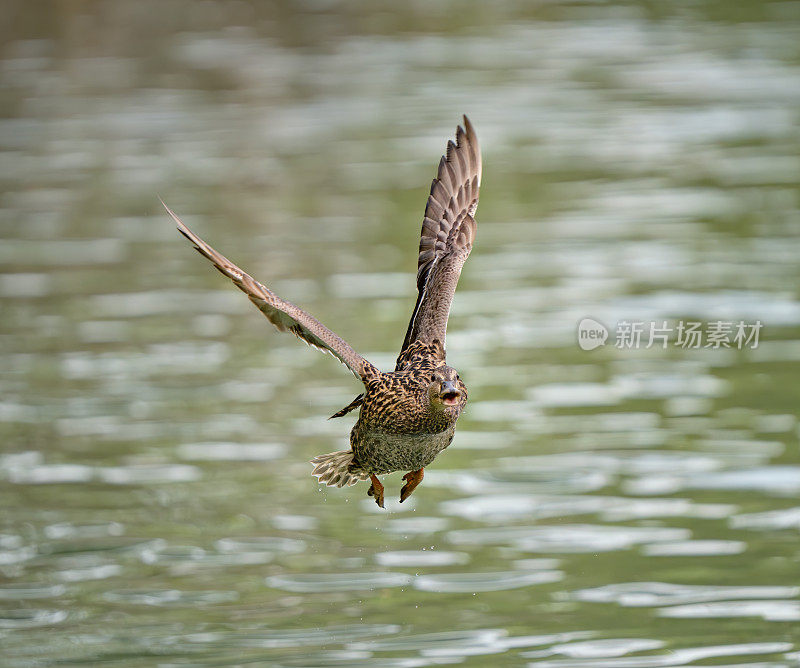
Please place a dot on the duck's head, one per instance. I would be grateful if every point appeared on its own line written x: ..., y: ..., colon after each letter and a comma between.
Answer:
x: 446, y: 389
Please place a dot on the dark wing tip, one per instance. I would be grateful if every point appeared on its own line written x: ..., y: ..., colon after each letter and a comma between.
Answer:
x: 201, y: 246
x: 469, y: 131
x: 474, y: 146
x: 181, y: 227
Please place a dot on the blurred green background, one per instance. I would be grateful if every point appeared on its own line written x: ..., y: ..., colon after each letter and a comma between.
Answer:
x: 619, y: 507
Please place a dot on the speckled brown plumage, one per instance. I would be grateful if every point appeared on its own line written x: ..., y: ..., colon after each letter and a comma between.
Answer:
x: 407, y: 416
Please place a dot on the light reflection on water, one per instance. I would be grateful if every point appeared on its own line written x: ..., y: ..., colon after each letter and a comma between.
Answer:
x: 615, y: 508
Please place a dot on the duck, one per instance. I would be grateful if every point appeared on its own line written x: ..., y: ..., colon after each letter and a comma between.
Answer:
x: 407, y: 416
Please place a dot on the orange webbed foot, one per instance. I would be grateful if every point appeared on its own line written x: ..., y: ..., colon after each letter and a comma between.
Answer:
x: 412, y: 478
x: 376, y: 489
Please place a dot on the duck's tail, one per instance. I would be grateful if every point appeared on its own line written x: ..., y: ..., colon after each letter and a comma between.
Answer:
x: 336, y: 469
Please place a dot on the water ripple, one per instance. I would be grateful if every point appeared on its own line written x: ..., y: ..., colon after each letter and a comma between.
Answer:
x: 30, y: 618
x: 646, y: 594
x: 677, y: 657
x: 772, y: 480
x: 770, y: 611
x: 44, y: 474
x: 10, y: 541
x: 139, y: 474
x: 273, y: 544
x: 96, y: 530
x: 152, y: 474
x: 601, y: 649
x: 521, y: 480
x: 788, y: 518
x: 503, y: 507
x: 411, y: 558
x: 189, y: 559
x: 575, y: 538
x: 340, y: 657
x: 231, y: 451
x: 295, y: 522
x: 18, y: 591
x: 109, y: 544
x: 477, y: 582
x: 418, y: 525
x: 169, y: 597
x: 8, y: 557
x: 264, y: 638
x: 330, y: 582
x: 85, y: 574
x: 431, y: 641
x: 694, y: 548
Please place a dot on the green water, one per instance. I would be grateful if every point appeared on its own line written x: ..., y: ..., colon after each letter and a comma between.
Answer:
x: 619, y: 507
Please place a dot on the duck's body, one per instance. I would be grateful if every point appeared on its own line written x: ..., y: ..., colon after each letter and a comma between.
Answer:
x: 377, y: 452
x: 407, y: 416
x: 399, y: 428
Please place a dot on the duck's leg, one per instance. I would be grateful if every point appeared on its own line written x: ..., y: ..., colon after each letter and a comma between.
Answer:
x: 412, y: 478
x: 376, y: 489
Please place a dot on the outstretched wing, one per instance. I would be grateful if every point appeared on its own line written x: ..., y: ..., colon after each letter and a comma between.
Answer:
x: 284, y: 315
x: 448, y: 230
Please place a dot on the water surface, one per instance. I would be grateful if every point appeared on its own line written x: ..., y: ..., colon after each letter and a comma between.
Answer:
x: 616, y: 507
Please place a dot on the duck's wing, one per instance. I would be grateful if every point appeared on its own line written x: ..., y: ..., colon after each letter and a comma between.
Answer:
x: 448, y: 230
x: 284, y: 315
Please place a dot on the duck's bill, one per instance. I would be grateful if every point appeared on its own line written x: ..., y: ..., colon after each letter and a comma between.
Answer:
x: 451, y: 398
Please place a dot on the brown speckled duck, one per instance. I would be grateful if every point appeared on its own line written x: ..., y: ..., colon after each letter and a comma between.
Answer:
x: 407, y: 416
